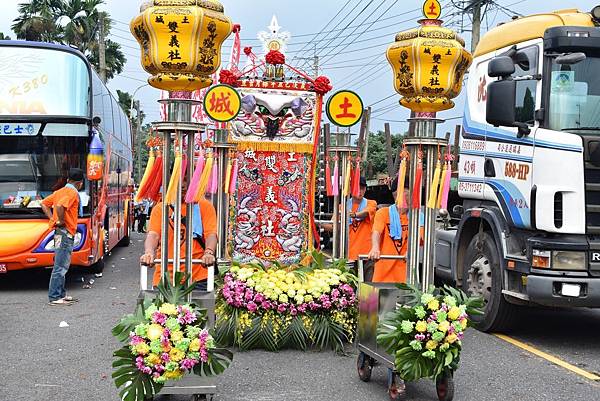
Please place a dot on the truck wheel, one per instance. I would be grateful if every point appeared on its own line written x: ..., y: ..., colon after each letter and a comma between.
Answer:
x: 482, y: 276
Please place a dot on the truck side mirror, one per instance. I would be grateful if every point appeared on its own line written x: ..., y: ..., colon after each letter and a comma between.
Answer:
x: 501, y: 66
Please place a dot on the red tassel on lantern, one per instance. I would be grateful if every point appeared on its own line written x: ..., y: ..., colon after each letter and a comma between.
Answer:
x: 157, y: 181
x: 328, y: 177
x: 416, y: 190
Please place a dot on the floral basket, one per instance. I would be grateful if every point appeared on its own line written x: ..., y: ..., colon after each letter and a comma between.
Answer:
x: 311, y: 305
x: 425, y: 335
x: 164, y: 339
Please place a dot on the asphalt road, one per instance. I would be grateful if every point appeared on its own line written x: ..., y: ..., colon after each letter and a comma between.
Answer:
x: 41, y: 361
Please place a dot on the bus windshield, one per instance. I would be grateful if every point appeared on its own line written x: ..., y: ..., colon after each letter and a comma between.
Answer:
x: 31, y: 168
x: 575, y: 97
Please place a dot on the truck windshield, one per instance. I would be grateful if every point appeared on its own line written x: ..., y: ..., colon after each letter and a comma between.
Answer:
x: 31, y: 168
x: 575, y: 97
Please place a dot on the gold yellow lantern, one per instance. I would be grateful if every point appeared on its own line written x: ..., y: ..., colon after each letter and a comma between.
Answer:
x: 181, y: 42
x: 429, y: 63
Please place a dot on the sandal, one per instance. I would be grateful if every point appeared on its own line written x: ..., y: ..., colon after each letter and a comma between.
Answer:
x: 60, y: 302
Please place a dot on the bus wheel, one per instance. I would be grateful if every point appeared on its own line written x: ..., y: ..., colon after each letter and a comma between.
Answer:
x: 482, y: 276
x: 98, y: 267
x: 125, y: 241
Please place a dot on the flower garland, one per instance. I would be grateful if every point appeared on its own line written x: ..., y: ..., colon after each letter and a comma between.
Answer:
x: 297, y: 307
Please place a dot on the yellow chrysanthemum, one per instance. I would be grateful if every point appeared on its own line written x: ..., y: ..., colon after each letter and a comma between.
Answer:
x: 155, y: 331
x: 168, y: 309
x: 431, y: 345
x: 176, y: 355
x: 451, y: 338
x: 454, y: 313
x: 444, y: 326
x: 142, y: 349
x: 434, y: 304
x: 176, y: 336
x: 153, y: 359
x: 464, y: 323
x: 421, y: 326
x: 174, y: 375
x: 195, y: 345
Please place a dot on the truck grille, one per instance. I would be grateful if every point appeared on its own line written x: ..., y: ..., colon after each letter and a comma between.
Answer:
x: 592, y: 198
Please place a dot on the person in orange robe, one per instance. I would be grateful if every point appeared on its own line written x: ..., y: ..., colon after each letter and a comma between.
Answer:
x: 390, y: 237
x: 204, y: 244
x: 361, y: 214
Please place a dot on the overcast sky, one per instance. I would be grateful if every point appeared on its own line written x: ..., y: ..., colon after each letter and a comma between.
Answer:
x: 360, y: 64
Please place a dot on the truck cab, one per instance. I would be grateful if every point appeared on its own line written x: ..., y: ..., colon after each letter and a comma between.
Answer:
x: 528, y: 228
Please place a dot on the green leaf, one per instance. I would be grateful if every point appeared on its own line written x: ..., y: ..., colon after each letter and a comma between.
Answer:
x: 448, y: 359
x: 219, y: 359
x: 134, y: 385
x: 295, y: 335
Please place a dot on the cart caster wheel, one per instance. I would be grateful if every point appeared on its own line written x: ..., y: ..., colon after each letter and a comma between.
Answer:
x: 396, y: 387
x: 364, y: 366
x: 444, y: 386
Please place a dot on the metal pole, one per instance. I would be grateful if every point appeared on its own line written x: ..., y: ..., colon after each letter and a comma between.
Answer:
x: 138, y: 140
x: 343, y: 222
x: 429, y: 235
x: 222, y: 149
x: 189, y: 211
x: 177, y: 219
x: 164, y: 244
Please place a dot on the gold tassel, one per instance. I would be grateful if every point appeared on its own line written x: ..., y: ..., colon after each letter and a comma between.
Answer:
x: 228, y: 175
x: 171, y: 194
x: 203, y: 185
x: 433, y: 191
x: 404, y: 157
x: 347, y: 178
x: 144, y: 182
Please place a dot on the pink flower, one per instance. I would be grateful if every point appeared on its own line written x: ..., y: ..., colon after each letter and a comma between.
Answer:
x: 266, y: 305
x: 293, y: 311
x: 302, y: 308
x: 324, y: 298
x: 165, y: 357
x: 158, y: 317
x: 249, y: 295
x: 188, y: 364
x: 251, y: 306
x: 327, y: 305
x: 135, y: 340
x: 281, y: 308
x: 258, y: 298
x: 343, y: 302
x: 159, y: 368
x: 335, y: 293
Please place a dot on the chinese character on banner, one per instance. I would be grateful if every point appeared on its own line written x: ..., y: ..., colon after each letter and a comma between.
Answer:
x: 270, y: 197
x: 345, y: 108
x: 222, y: 103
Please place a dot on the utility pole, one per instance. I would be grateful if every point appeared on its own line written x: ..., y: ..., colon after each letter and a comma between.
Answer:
x: 475, y: 34
x: 138, y: 138
x: 102, y: 49
x: 316, y: 63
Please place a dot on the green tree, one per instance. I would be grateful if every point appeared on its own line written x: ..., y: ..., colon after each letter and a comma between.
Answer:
x: 376, y: 162
x: 3, y: 36
x: 71, y: 22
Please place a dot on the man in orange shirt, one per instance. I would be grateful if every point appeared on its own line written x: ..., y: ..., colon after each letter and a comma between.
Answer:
x: 390, y: 237
x: 361, y: 212
x: 205, y: 239
x: 62, y: 209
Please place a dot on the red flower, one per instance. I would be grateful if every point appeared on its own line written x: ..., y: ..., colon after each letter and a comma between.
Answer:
x: 275, y: 57
x: 248, y: 50
x: 227, y: 77
x: 236, y: 28
x: 322, y: 85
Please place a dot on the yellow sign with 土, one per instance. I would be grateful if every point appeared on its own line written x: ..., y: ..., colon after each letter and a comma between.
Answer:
x: 345, y: 108
x: 432, y: 9
x: 222, y: 103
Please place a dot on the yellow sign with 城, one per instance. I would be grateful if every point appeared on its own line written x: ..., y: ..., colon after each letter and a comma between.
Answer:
x: 222, y: 103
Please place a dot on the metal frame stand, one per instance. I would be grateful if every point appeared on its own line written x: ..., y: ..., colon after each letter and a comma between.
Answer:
x: 178, y: 124
x: 426, y: 141
x: 342, y: 150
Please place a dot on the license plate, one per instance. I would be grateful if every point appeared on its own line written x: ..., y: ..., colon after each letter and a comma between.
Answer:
x: 3, y: 268
x: 570, y: 290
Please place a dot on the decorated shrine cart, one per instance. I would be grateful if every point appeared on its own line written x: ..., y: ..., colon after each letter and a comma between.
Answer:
x: 375, y: 300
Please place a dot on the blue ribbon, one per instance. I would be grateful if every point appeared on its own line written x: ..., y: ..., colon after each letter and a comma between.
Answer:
x: 361, y: 207
x: 395, y: 223
x: 197, y: 227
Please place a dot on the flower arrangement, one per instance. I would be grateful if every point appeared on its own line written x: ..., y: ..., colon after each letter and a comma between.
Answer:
x: 297, y: 307
x: 425, y: 335
x: 163, y: 340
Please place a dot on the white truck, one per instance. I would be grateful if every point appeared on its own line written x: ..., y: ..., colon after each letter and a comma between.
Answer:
x: 528, y: 226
